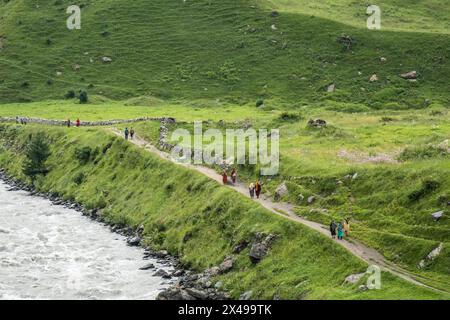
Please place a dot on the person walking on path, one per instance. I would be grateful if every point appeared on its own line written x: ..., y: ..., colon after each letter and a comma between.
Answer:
x: 225, y: 178
x: 131, y: 133
x: 234, y: 176
x: 78, y: 123
x: 251, y: 189
x: 68, y: 123
x: 127, y: 132
x: 340, y: 231
x: 347, y: 226
x: 333, y: 227
x: 258, y: 189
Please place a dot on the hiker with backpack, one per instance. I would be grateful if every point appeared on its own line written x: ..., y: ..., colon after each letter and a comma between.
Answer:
x: 127, y: 132
x: 78, y: 123
x: 131, y: 133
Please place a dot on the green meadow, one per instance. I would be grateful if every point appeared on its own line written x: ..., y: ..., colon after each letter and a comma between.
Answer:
x: 383, y: 159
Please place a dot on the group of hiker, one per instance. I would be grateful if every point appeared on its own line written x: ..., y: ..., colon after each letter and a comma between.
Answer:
x: 129, y: 133
x: 233, y: 176
x: 340, y: 229
x: 21, y: 120
x: 77, y: 123
x: 255, y: 189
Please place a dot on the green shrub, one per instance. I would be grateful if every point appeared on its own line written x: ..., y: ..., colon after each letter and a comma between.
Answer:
x: 427, y: 187
x: 79, y: 178
x: 69, y: 94
x: 422, y: 153
x: 83, y: 97
x: 83, y: 154
x: 36, y: 153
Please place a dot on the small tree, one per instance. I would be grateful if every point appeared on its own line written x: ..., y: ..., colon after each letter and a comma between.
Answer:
x: 83, y: 97
x: 37, y: 153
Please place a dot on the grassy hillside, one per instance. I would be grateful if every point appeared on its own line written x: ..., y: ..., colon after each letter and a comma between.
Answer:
x: 396, y: 156
x: 403, y: 15
x: 126, y: 182
x: 223, y: 50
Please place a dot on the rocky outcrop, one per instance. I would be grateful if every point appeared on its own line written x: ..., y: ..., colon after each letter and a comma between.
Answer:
x: 193, y: 286
x: 260, y: 247
x: 354, y: 278
x: 281, y: 191
x: 318, y: 123
x: 431, y: 256
x: 412, y: 75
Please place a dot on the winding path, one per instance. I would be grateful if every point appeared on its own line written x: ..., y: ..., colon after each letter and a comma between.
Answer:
x: 286, y: 210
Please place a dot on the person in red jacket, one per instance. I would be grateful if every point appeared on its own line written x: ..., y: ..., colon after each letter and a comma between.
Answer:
x: 225, y: 178
x: 78, y: 122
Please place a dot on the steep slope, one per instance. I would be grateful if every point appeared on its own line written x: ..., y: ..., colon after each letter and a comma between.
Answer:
x: 232, y: 50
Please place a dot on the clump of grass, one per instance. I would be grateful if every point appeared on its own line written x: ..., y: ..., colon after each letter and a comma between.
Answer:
x: 422, y: 153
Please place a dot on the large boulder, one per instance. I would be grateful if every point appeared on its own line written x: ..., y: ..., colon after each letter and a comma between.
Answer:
x: 281, y: 191
x: 226, y: 266
x: 354, y: 278
x: 260, y: 247
x: 412, y: 75
x: 318, y: 123
x: 431, y: 256
x: 135, y: 241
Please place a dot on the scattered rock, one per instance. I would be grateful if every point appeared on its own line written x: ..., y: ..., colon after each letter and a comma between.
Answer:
x: 162, y: 273
x: 354, y: 278
x: 318, y: 123
x: 226, y: 266
x: 311, y: 199
x: 240, y: 246
x: 346, y: 41
x: 260, y: 247
x: 135, y: 241
x: 273, y: 27
x: 409, y: 75
x: 274, y: 14
x: 147, y: 267
x: 106, y: 60
x: 383, y: 59
x: 437, y: 215
x: 373, y: 78
x: 363, y: 288
x: 281, y: 191
x: 331, y: 88
x: 76, y: 67
x: 431, y: 256
x: 198, y: 294
x: 246, y: 295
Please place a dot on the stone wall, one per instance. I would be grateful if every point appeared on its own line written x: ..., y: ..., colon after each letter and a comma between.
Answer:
x: 50, y: 122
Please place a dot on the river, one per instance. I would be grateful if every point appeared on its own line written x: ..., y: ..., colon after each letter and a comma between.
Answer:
x: 51, y: 252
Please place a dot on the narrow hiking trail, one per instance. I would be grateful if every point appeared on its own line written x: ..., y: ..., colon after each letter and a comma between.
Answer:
x: 286, y: 210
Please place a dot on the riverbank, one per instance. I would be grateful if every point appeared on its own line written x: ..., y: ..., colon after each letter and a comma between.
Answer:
x: 185, y: 284
x: 205, y: 225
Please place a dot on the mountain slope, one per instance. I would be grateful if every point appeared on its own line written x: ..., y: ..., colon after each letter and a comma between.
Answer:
x: 210, y: 49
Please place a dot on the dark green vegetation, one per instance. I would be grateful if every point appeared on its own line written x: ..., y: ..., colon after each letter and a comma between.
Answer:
x: 206, y: 49
x: 133, y: 187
